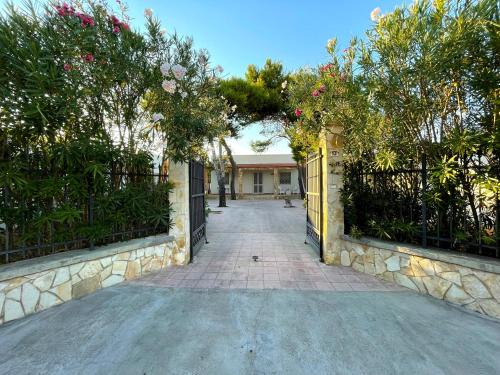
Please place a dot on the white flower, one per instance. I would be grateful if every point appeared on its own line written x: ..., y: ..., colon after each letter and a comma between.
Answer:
x: 157, y: 117
x: 169, y: 86
x: 202, y: 59
x: 184, y: 94
x: 148, y: 12
x: 165, y: 69
x: 163, y: 31
x: 283, y: 85
x: 375, y: 14
x: 233, y: 108
x: 219, y: 68
x: 179, y: 71
x: 330, y: 45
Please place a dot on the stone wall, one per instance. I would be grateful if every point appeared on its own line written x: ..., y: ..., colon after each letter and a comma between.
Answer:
x: 471, y: 282
x: 36, y: 284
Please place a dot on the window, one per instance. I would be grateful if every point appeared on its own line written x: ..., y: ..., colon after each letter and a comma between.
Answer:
x: 226, y: 178
x: 285, y: 178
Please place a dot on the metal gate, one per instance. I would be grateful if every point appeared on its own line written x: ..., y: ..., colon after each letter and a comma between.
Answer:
x: 196, y: 206
x: 314, y: 190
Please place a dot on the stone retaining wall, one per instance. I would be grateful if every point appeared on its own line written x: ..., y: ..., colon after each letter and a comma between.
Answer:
x: 468, y: 281
x: 34, y: 285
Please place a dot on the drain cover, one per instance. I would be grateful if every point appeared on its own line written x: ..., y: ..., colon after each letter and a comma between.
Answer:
x: 255, y: 258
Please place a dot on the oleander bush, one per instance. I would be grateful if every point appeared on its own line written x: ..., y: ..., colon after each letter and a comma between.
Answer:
x: 90, y: 109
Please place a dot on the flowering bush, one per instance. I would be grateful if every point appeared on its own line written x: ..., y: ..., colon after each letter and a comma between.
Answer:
x: 82, y: 95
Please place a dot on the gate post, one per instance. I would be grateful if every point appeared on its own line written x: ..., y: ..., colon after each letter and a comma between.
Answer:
x: 179, y: 198
x: 331, y: 143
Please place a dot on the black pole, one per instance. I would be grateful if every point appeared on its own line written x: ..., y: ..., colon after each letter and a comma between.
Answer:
x: 320, y: 206
x: 424, y: 203
x: 91, y: 209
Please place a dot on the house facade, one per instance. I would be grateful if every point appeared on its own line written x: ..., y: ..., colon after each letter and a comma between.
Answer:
x: 261, y: 175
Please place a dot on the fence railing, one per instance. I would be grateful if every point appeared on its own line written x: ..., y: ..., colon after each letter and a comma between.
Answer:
x: 412, y: 205
x: 42, y: 214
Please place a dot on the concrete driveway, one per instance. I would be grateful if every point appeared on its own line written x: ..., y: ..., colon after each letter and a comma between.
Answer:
x: 151, y: 327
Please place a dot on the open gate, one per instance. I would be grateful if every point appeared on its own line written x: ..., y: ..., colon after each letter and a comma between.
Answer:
x: 196, y: 206
x: 314, y: 190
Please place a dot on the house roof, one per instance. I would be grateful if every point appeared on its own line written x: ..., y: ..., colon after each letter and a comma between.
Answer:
x: 264, y: 160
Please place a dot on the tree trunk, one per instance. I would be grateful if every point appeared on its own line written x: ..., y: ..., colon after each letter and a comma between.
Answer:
x: 219, y: 171
x: 233, y: 168
x: 222, y: 191
x: 300, y: 169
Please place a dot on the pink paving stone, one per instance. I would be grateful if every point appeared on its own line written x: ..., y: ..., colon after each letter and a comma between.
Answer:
x: 187, y: 283
x: 342, y: 287
x: 205, y: 283
x: 221, y: 283
x: 324, y: 285
x: 255, y: 276
x: 209, y: 276
x: 271, y: 277
x: 271, y: 284
x: 237, y: 284
x: 170, y: 282
x: 270, y: 270
x: 224, y: 276
x: 362, y: 287
x: 351, y: 279
x: 239, y: 276
x: 335, y: 278
x: 178, y: 276
x: 286, y: 277
x: 193, y: 276
x: 306, y: 285
x: 285, y: 284
x: 255, y: 284
x: 317, y: 278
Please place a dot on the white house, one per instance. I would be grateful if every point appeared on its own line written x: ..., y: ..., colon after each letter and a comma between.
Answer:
x: 261, y: 174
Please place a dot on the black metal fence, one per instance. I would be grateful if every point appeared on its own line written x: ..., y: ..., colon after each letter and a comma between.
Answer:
x: 414, y: 206
x: 42, y: 214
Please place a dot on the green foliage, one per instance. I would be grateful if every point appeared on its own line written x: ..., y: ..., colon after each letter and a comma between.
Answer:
x: 355, y: 232
x: 78, y: 90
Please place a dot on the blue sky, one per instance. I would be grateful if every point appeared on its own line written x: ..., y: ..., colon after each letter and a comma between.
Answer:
x: 238, y: 33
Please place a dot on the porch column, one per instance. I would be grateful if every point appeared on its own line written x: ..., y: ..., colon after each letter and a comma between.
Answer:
x: 333, y: 210
x: 240, y: 182
x: 179, y: 198
x: 276, y: 183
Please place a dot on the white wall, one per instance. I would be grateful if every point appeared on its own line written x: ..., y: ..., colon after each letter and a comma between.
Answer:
x: 267, y: 180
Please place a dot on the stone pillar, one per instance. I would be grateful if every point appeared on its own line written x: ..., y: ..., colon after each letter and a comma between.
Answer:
x: 331, y: 145
x: 276, y: 183
x: 179, y: 198
x: 240, y: 182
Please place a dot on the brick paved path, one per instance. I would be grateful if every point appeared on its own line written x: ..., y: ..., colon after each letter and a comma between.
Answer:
x: 276, y: 235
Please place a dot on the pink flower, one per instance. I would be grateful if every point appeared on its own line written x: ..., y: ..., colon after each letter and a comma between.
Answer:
x: 89, y: 57
x: 315, y: 93
x: 116, y: 21
x: 169, y: 86
x: 64, y: 10
x: 322, y: 88
x: 67, y: 67
x: 179, y: 71
x: 298, y: 112
x: 86, y: 20
x: 125, y: 26
x: 116, y: 29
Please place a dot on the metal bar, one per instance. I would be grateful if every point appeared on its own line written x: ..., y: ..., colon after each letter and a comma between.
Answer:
x: 424, y: 203
x: 90, y: 213
x: 320, y: 180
